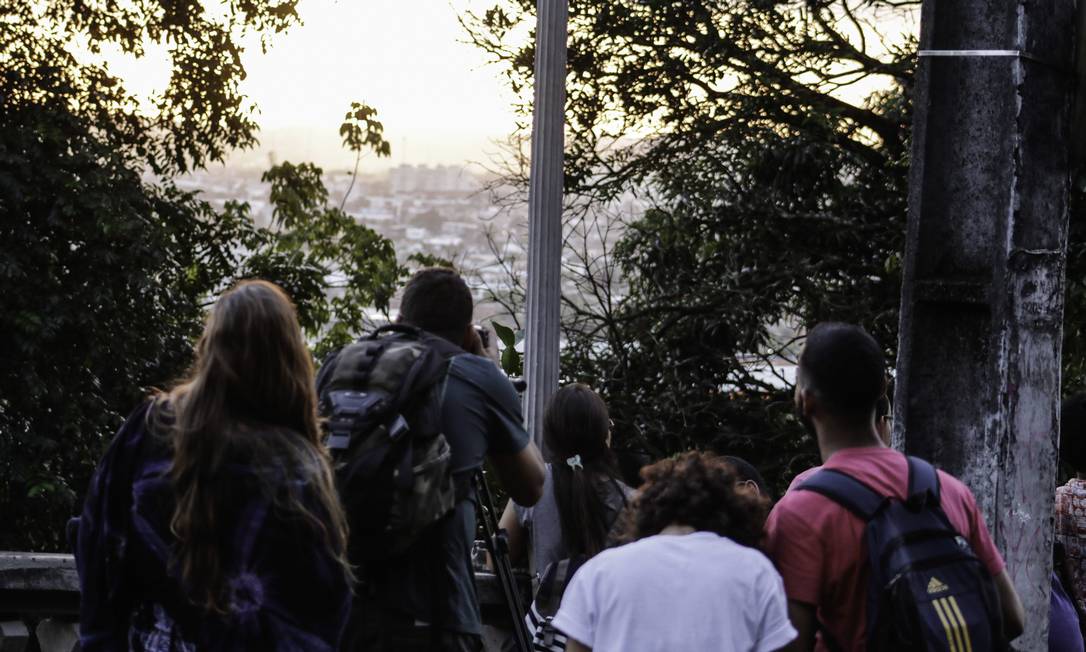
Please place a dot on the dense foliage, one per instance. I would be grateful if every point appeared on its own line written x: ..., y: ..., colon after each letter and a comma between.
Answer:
x: 768, y: 142
x: 105, y: 267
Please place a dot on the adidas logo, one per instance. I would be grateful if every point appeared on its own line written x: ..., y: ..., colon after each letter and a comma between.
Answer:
x: 935, y: 586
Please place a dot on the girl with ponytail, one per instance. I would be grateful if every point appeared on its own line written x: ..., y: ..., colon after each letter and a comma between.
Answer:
x: 582, y: 495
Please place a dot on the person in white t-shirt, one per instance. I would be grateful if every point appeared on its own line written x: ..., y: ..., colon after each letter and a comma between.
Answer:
x: 692, y: 580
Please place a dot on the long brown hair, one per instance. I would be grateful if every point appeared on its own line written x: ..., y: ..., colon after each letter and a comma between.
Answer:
x: 577, y: 423
x: 250, y: 396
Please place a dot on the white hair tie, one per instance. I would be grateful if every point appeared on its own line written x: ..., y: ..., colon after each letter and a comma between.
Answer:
x: 574, y: 462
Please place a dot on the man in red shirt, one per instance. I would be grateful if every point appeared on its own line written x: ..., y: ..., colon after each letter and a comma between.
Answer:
x: 818, y: 545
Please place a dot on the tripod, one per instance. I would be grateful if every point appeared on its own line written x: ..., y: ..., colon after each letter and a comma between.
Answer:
x: 497, y: 544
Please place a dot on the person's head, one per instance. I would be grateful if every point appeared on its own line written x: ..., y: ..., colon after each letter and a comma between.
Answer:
x: 576, y: 434
x: 437, y: 299
x: 747, y: 478
x: 250, y: 396
x: 252, y: 366
x: 1073, y: 432
x: 841, y: 375
x: 884, y: 419
x: 577, y: 423
x: 698, y: 490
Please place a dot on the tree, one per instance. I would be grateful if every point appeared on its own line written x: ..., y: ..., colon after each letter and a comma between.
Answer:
x: 767, y: 142
x: 106, y: 270
x: 774, y: 194
x: 333, y: 267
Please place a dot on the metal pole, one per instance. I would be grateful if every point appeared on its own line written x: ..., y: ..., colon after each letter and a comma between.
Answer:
x: 978, y: 377
x: 545, y: 212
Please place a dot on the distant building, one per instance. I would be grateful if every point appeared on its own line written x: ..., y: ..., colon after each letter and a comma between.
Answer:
x: 438, y: 179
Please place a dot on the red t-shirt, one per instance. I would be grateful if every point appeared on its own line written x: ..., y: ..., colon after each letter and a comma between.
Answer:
x: 818, y: 545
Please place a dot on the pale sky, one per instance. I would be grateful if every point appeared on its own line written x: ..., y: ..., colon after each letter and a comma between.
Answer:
x: 439, y: 100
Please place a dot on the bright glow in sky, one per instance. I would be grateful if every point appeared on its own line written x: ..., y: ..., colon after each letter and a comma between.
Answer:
x: 439, y: 100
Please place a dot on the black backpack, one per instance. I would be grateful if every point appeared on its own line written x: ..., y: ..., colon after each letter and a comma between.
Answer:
x: 552, y: 586
x: 381, y: 401
x: 548, y: 598
x: 928, y: 591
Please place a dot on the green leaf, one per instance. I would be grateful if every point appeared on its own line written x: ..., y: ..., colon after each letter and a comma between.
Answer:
x: 507, y: 335
x: 511, y: 363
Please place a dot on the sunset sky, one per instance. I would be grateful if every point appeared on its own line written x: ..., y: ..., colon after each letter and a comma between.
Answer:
x: 438, y: 99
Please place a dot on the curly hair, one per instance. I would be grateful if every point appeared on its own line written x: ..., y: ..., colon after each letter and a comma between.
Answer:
x: 697, y: 490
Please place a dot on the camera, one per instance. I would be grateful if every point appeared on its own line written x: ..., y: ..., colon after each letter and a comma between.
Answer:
x: 484, y: 335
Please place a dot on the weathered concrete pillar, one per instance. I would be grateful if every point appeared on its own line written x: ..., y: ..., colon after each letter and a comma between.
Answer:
x: 978, y: 377
x: 14, y: 636
x: 545, y: 212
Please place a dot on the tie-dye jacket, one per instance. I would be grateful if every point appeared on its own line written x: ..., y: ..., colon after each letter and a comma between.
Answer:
x: 288, y: 592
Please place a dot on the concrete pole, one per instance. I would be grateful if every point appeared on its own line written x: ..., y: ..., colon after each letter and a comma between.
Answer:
x: 545, y: 212
x: 978, y: 377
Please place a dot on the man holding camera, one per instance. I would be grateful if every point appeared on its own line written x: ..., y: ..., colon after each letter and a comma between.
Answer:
x: 424, y: 598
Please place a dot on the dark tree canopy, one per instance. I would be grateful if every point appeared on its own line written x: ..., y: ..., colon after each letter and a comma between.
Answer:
x: 769, y: 141
x: 201, y: 114
x: 105, y: 270
x: 651, y: 82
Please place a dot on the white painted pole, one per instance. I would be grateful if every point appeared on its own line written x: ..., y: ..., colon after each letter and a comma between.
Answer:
x: 545, y: 212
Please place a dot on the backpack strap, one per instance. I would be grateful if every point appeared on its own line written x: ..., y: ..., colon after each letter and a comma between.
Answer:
x: 923, y: 483
x: 553, y: 582
x: 853, y: 495
x: 622, y: 494
x: 846, y: 491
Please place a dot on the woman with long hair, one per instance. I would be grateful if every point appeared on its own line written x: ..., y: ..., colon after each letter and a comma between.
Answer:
x: 212, y: 522
x: 582, y: 495
x: 693, y: 578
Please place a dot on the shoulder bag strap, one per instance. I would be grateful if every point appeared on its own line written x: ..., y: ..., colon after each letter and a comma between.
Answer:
x: 846, y: 491
x: 923, y: 483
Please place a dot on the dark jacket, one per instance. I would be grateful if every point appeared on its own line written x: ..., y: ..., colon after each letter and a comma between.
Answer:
x: 289, y: 593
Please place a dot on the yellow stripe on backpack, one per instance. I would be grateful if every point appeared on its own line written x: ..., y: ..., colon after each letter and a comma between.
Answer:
x: 951, y: 641
x: 961, y: 621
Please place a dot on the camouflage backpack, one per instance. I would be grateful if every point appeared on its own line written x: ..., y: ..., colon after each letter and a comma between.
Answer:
x: 381, y: 401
